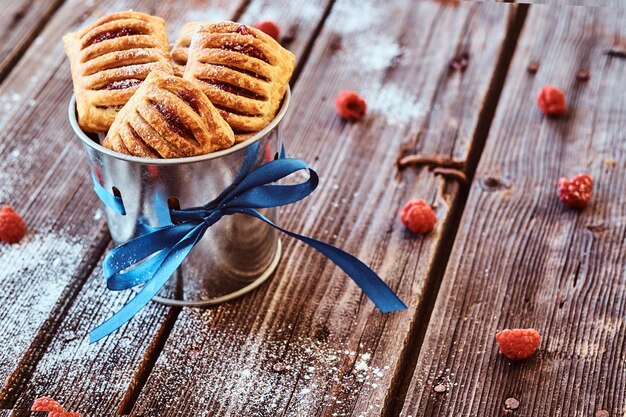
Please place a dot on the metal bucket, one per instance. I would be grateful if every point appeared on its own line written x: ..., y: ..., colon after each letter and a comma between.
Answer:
x: 236, y: 254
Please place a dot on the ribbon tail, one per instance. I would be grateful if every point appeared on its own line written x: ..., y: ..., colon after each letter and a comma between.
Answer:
x: 372, y: 285
x: 114, y: 202
x: 175, y: 256
x: 137, y: 250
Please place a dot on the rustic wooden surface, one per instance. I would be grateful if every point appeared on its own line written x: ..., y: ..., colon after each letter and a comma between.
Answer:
x: 342, y: 356
x: 66, y: 236
x: 20, y: 22
x: 523, y: 260
x: 70, y: 362
x: 589, y: 3
x: 552, y: 268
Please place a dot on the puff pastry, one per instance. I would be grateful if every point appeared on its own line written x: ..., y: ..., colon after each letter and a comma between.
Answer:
x: 168, y: 117
x: 243, y: 71
x: 109, y: 59
x: 180, y: 50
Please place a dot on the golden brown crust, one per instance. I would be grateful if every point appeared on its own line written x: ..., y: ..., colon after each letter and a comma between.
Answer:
x: 243, y: 71
x: 168, y: 117
x: 109, y: 59
x: 180, y: 50
x: 242, y: 137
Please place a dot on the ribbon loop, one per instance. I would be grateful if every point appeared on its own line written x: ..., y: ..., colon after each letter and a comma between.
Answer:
x: 152, y: 258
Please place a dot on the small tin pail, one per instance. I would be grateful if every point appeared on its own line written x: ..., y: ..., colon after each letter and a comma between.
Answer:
x: 236, y: 254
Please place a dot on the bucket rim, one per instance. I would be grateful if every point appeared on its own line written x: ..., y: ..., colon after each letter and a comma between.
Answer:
x: 177, y: 161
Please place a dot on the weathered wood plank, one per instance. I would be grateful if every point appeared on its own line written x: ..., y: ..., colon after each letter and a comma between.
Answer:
x: 308, y: 343
x: 118, y: 366
x: 589, y: 3
x: 20, y: 21
x: 521, y: 259
x: 42, y: 174
x: 94, y: 379
x: 299, y: 22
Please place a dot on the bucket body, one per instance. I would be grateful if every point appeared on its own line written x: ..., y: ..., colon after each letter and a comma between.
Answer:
x: 236, y: 254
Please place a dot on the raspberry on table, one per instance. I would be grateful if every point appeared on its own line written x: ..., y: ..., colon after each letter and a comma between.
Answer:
x: 576, y: 192
x: 518, y: 344
x: 64, y: 414
x: 269, y: 27
x: 551, y: 101
x: 12, y: 226
x: 418, y: 216
x: 47, y: 404
x: 350, y: 106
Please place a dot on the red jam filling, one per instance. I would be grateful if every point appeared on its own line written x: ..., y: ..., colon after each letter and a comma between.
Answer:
x: 233, y: 89
x: 244, y: 30
x: 173, y: 120
x: 117, y: 33
x: 189, y: 98
x: 243, y: 71
x: 246, y: 49
x: 121, y: 84
x: 134, y: 133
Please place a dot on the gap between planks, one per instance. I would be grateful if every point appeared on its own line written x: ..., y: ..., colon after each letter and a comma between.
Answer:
x: 411, y: 353
x: 44, y: 336
x: 23, y: 373
x: 153, y: 354
x: 140, y: 378
x: 48, y: 331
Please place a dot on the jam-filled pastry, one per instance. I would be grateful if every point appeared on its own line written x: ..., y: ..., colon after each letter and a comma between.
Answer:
x: 180, y: 50
x: 243, y: 71
x: 168, y: 117
x: 109, y: 59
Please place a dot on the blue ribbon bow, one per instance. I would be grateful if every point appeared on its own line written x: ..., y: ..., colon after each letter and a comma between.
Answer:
x: 163, y: 249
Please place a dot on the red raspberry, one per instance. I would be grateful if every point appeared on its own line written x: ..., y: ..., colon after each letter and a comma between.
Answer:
x: 12, y: 226
x: 418, y: 217
x: 518, y: 343
x: 64, y: 414
x: 350, y: 106
x: 47, y: 404
x: 551, y: 101
x: 268, y: 27
x: 576, y: 192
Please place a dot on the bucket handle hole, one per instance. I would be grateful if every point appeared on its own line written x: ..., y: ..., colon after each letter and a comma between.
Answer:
x: 173, y: 203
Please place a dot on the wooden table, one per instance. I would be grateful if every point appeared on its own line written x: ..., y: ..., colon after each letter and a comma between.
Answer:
x: 505, y: 252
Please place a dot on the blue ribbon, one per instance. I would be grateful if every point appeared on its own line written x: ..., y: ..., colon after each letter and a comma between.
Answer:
x: 151, y: 259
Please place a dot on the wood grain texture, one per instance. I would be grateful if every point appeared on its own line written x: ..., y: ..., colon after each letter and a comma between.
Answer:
x: 20, y: 21
x: 308, y: 342
x: 94, y: 379
x: 105, y: 378
x: 588, y: 3
x: 43, y: 175
x: 298, y: 22
x: 522, y: 259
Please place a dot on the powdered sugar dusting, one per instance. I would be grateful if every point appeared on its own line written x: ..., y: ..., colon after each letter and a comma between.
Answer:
x: 367, y: 49
x: 44, y: 261
x: 251, y: 374
x: 54, y: 252
x: 73, y: 357
x: 205, y: 14
x: 355, y: 16
x: 375, y: 53
x: 308, y: 11
x: 8, y: 101
x: 10, y: 172
x: 397, y: 104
